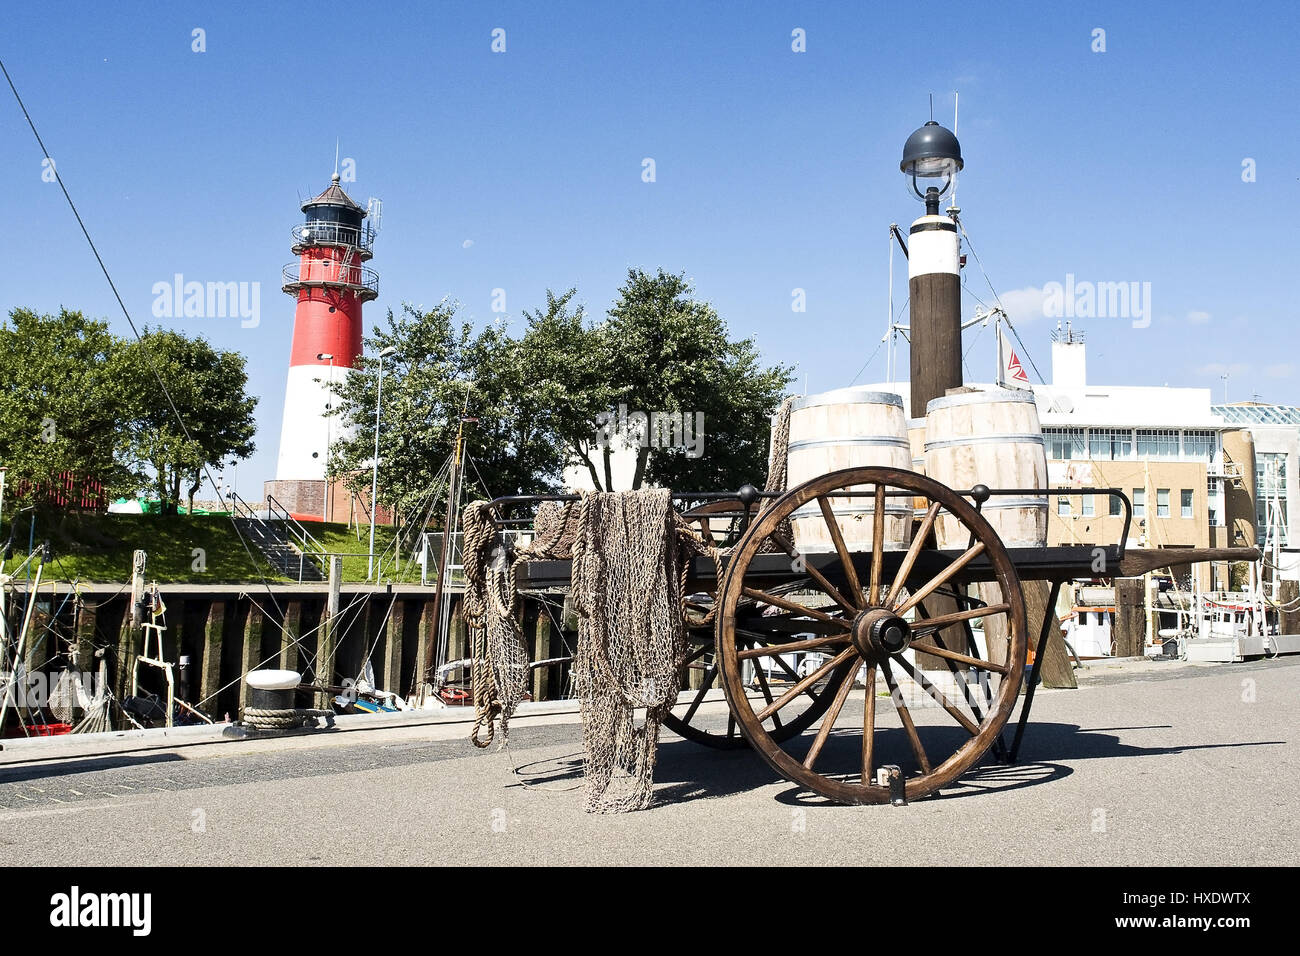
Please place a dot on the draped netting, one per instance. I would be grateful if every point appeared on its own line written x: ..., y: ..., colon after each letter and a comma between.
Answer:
x: 630, y: 553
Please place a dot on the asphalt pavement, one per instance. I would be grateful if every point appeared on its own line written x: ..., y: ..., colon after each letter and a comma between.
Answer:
x: 1146, y: 763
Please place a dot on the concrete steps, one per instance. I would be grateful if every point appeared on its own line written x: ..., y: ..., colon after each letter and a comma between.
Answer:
x: 269, y: 538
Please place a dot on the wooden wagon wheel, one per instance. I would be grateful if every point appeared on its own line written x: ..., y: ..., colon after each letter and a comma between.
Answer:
x: 701, y: 658
x: 869, y: 625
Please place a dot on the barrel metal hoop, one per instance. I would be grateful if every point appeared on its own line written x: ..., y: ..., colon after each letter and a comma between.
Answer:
x: 1027, y: 439
x: 977, y: 398
x: 832, y: 442
x: 848, y: 396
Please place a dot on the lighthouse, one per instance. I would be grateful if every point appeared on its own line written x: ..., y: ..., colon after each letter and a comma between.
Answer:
x: 330, y: 283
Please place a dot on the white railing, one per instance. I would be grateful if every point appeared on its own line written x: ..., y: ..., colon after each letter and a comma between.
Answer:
x: 321, y: 233
x: 355, y: 277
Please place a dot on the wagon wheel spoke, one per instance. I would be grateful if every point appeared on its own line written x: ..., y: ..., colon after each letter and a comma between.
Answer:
x: 913, y: 551
x: 940, y: 621
x: 919, y: 676
x: 787, y: 605
x: 846, y: 559
x: 794, y: 676
x: 709, y: 675
x: 767, y: 695
x: 828, y: 722
x: 805, y: 683
x: 790, y: 647
x: 788, y: 547
x: 938, y: 650
x: 942, y: 577
x: 869, y: 725
x: 905, y: 716
x: 877, y: 543
x: 695, y: 655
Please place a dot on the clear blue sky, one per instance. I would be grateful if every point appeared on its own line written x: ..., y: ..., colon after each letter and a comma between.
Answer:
x: 776, y: 170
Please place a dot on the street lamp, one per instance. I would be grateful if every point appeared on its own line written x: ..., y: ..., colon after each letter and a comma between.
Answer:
x: 374, y: 470
x: 932, y: 152
x: 325, y: 499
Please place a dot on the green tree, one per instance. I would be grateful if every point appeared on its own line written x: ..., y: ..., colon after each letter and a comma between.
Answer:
x: 64, y: 402
x: 664, y: 354
x: 439, y: 371
x: 563, y: 363
x: 208, y: 389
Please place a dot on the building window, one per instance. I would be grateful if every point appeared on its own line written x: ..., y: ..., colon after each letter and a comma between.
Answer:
x: 1116, y: 506
x: 1198, y: 443
x: 1162, y: 502
x: 1063, y: 505
x: 1064, y: 443
x: 1106, y: 444
x: 1088, y: 508
x: 1186, y: 502
x: 1157, y: 443
x: 1139, y: 503
x: 1270, y: 496
x: 1214, y: 503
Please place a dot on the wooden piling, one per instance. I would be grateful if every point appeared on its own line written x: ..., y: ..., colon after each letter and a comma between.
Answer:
x: 85, y: 636
x: 1130, y: 617
x: 290, y: 633
x: 252, y: 651
x: 210, y: 681
x: 424, y: 651
x: 541, y: 651
x: 392, y: 662
x: 458, y: 637
x: 327, y: 645
x: 1056, y: 670
x: 1288, y: 596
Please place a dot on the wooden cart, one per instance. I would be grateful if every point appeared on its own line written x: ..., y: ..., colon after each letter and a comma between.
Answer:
x: 792, y: 637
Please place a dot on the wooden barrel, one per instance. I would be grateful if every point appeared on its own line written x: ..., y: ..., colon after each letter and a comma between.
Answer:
x: 990, y: 438
x: 848, y: 428
x: 916, y: 439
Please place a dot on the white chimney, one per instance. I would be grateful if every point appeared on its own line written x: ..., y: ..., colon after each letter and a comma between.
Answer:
x: 1069, y: 358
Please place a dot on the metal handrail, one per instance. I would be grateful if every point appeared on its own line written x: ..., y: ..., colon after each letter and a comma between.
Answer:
x: 350, y: 276
x: 239, y: 507
x: 319, y: 232
x: 308, y: 544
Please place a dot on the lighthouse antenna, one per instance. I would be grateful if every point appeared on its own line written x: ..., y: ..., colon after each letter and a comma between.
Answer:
x: 336, y: 157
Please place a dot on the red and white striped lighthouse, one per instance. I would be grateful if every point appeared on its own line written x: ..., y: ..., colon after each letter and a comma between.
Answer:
x: 330, y: 283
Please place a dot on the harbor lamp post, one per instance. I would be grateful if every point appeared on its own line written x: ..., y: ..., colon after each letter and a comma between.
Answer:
x: 933, y: 268
x: 325, y: 465
x: 374, y: 465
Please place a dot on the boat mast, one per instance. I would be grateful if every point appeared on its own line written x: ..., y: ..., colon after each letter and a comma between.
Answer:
x: 438, y: 633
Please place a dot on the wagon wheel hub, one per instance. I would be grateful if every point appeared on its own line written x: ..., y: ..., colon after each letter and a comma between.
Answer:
x: 878, y: 632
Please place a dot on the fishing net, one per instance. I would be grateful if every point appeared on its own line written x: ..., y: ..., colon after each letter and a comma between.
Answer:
x: 630, y: 640
x: 491, y: 604
x: 630, y: 552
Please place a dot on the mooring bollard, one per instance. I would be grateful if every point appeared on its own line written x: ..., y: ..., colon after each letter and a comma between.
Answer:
x: 270, y: 705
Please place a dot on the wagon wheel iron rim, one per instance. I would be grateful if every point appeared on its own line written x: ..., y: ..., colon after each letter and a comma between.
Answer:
x: 872, y: 619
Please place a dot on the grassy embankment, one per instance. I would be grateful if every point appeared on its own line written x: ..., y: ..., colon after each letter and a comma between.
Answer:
x: 98, y: 547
